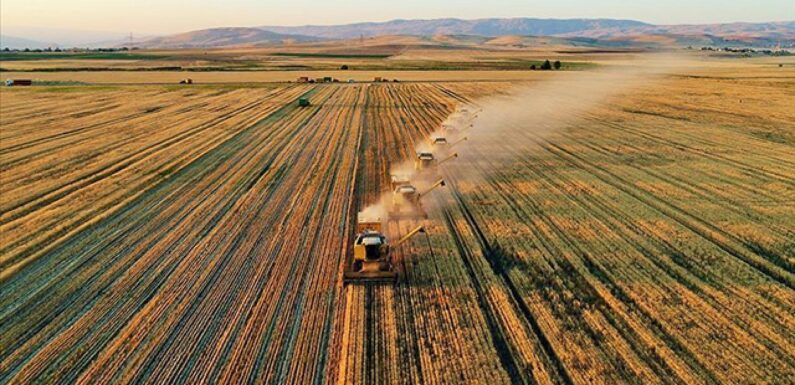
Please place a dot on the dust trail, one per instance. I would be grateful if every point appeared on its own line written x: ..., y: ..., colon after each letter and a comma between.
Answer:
x: 503, y: 128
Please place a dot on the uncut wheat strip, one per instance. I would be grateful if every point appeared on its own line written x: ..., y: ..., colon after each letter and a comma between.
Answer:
x: 626, y: 274
x: 692, y: 140
x: 744, y: 321
x: 764, y: 106
x: 498, y: 318
x: 467, y: 280
x: 746, y: 186
x: 694, y: 135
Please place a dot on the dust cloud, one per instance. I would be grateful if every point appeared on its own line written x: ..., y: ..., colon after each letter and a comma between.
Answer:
x: 505, y: 127
x: 492, y: 133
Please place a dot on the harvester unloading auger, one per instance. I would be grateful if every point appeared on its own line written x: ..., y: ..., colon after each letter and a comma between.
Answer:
x: 406, y: 202
x: 371, y: 260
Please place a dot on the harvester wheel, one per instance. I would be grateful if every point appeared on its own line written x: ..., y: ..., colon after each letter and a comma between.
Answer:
x: 357, y: 265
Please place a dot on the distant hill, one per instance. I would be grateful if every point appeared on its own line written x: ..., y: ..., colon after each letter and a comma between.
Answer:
x: 479, y: 27
x: 13, y: 42
x: 733, y: 34
x: 517, y: 32
x: 223, y: 37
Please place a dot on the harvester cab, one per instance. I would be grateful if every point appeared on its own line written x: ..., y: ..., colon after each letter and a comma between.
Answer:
x: 439, y: 141
x: 406, y: 201
x: 371, y: 260
x: 424, y: 161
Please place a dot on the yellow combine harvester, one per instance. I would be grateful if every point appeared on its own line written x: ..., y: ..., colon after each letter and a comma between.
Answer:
x: 426, y: 160
x: 371, y: 261
x: 441, y: 143
x: 406, y: 201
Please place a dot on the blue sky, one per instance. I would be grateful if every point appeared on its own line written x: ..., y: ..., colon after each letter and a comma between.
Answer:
x: 169, y: 16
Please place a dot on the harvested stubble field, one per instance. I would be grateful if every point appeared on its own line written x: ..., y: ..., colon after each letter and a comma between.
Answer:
x: 163, y: 235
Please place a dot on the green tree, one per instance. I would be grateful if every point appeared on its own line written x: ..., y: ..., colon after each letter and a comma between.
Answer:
x: 557, y: 64
x: 546, y: 66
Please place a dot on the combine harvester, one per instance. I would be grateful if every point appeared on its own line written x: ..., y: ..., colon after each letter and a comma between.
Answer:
x: 371, y: 261
x: 427, y: 161
x: 460, y: 121
x: 406, y: 202
x: 440, y: 144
